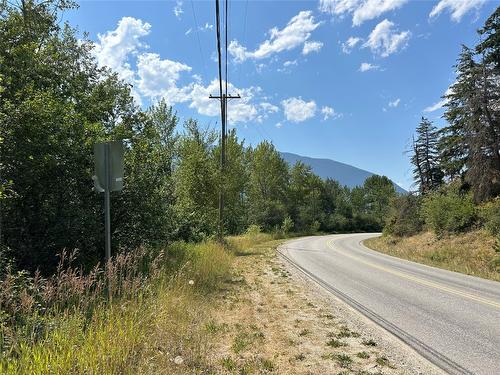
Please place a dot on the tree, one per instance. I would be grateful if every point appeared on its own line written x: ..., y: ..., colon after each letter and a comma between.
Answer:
x: 196, y: 183
x: 267, y: 187
x: 56, y: 103
x: 305, y: 197
x: 470, y: 143
x: 378, y: 191
x: 143, y: 211
x: 235, y: 184
x: 425, y: 158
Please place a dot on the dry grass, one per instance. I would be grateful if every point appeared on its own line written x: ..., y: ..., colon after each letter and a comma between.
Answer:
x: 145, y: 312
x: 471, y: 253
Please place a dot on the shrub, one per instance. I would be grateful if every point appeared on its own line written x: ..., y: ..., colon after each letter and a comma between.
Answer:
x: 404, y: 216
x: 448, y: 212
x: 490, y: 216
x: 287, y: 225
x: 254, y: 230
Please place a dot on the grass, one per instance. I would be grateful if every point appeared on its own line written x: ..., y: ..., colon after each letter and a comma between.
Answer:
x: 334, y: 343
x: 134, y: 316
x: 470, y: 253
x: 363, y: 355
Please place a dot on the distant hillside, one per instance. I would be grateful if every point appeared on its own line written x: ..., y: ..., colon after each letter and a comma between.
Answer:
x: 325, y: 168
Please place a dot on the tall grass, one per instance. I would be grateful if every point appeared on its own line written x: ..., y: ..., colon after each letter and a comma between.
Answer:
x: 135, y: 314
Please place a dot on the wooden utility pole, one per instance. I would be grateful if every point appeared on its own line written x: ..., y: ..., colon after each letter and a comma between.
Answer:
x: 223, y: 97
x: 223, y: 135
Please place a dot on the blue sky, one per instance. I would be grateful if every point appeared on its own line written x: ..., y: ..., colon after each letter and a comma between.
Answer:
x: 341, y: 79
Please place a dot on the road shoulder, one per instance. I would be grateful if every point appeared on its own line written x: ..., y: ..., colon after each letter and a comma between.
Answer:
x: 274, y: 319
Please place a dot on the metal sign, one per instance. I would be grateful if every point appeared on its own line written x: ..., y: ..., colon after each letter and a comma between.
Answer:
x: 115, y: 164
x: 108, y: 177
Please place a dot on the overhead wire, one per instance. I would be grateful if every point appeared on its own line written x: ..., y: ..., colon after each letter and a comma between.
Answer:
x: 197, y: 30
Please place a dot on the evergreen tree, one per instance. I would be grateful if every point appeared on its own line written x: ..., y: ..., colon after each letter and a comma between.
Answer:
x: 425, y: 158
x: 470, y: 143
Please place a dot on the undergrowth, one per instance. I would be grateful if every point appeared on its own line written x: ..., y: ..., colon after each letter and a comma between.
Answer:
x: 143, y: 312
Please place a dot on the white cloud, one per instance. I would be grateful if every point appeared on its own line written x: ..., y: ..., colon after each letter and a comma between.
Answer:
x: 312, y: 46
x: 114, y: 47
x: 361, y: 10
x: 384, y: 40
x: 178, y: 9
x: 158, y: 78
x: 367, y: 66
x: 329, y: 112
x: 269, y: 108
x: 294, y: 34
x: 279, y: 125
x: 289, y: 63
x: 440, y: 104
x: 349, y: 44
x: 240, y: 110
x: 298, y: 110
x: 394, y: 103
x: 457, y: 8
x: 155, y: 78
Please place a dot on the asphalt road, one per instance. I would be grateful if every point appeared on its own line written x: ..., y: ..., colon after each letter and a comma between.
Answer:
x: 451, y: 319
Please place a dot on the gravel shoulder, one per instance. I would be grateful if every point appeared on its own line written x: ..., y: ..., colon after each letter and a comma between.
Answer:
x: 274, y: 319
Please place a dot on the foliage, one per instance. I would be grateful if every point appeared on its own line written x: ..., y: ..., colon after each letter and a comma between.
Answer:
x: 490, y: 216
x: 404, y: 218
x: 470, y: 144
x: 425, y: 157
x: 449, y: 211
x: 268, y: 185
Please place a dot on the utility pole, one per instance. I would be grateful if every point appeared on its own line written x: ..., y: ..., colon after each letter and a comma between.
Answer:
x: 223, y: 100
x: 223, y: 97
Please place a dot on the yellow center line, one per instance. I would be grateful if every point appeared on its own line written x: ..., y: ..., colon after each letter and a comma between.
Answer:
x: 419, y: 280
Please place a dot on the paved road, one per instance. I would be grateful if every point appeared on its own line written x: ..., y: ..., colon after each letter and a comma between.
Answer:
x: 451, y: 319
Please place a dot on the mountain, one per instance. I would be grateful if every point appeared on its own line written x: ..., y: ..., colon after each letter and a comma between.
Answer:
x: 326, y: 168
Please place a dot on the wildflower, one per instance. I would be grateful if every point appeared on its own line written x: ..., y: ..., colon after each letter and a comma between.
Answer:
x: 191, y: 282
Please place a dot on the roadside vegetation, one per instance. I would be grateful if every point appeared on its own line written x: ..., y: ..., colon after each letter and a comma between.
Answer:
x: 146, y: 311
x: 62, y: 310
x: 56, y: 103
x: 453, y: 221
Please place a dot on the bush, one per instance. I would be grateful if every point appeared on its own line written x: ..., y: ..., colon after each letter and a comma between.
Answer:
x: 490, y: 216
x: 287, y: 225
x: 404, y: 216
x: 448, y: 212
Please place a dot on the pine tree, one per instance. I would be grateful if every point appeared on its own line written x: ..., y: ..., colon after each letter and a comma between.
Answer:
x: 425, y: 158
x: 470, y: 144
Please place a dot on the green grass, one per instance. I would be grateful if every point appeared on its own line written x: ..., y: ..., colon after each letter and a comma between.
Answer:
x: 134, y: 317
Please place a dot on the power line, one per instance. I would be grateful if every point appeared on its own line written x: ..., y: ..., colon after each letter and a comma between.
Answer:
x: 223, y: 97
x: 202, y: 56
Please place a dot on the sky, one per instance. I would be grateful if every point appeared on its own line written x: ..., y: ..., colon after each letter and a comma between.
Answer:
x: 346, y: 80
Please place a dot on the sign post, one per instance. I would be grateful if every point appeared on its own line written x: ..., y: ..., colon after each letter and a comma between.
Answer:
x: 108, y: 177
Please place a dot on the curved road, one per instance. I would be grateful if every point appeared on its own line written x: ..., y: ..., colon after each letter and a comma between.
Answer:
x: 449, y: 318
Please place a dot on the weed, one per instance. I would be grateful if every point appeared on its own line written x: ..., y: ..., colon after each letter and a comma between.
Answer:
x: 383, y: 361
x: 346, y: 332
x: 369, y: 342
x: 363, y: 355
x: 267, y: 364
x: 334, y: 343
x: 343, y: 360
x: 228, y: 363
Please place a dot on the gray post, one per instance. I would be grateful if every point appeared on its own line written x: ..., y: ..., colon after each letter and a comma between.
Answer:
x: 107, y: 186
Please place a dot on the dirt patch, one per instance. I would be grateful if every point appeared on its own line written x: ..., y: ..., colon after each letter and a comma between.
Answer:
x: 272, y: 320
